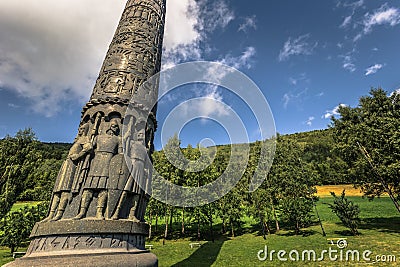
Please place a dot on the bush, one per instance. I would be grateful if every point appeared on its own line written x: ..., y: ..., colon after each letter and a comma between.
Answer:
x: 347, y: 212
x: 16, y: 226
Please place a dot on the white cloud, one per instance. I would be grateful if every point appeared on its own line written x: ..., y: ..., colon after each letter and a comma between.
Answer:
x: 357, y: 4
x: 198, y: 19
x: 244, y: 60
x: 298, y: 46
x: 286, y: 99
x: 310, y: 120
x: 346, y: 22
x: 383, y: 15
x: 249, y: 23
x: 182, y: 17
x: 12, y: 105
x: 348, y: 62
x: 334, y: 112
x: 397, y: 91
x: 373, y: 69
x: 53, y: 50
x: 293, y: 97
x: 208, y: 105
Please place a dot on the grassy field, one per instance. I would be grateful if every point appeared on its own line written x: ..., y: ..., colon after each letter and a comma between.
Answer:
x: 380, y: 233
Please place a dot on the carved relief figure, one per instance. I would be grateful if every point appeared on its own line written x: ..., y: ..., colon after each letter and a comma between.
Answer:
x: 68, y: 173
x: 106, y: 146
x: 138, y: 174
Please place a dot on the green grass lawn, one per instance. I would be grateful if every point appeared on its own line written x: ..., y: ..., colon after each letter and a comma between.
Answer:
x: 20, y: 205
x: 380, y: 233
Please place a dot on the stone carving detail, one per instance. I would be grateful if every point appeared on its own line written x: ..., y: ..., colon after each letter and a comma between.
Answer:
x: 77, y: 242
x: 98, y: 202
x: 95, y: 181
x: 70, y: 171
x: 135, y: 52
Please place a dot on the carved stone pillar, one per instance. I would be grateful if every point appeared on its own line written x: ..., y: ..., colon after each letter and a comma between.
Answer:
x: 96, y: 216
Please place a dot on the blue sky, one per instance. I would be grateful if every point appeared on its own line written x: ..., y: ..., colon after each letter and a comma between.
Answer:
x: 307, y: 57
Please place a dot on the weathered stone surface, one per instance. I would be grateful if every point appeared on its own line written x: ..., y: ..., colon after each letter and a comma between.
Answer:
x: 88, y: 227
x: 88, y: 258
x: 96, y: 216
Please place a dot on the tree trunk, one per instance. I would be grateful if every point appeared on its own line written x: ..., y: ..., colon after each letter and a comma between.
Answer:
x: 198, y: 226
x: 210, y: 218
x: 155, y: 230
x: 262, y: 222
x: 166, y: 226
x: 275, y: 217
x: 171, y: 217
x: 232, y: 229
x: 183, y: 221
x: 267, y: 227
x: 150, y: 224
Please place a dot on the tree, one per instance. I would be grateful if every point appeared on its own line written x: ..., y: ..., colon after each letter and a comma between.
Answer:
x: 347, y: 211
x: 368, y: 139
x: 293, y: 182
x: 19, y: 155
x: 17, y: 225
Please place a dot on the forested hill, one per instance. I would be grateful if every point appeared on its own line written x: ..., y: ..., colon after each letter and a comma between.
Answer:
x: 30, y: 167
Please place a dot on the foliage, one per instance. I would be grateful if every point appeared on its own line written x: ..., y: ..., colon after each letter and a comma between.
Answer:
x: 18, y: 156
x: 16, y: 226
x: 293, y: 183
x: 28, y: 168
x: 347, y: 211
x: 368, y: 139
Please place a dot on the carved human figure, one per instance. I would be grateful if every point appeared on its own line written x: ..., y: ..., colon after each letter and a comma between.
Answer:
x: 106, y: 146
x: 68, y: 172
x: 138, y: 176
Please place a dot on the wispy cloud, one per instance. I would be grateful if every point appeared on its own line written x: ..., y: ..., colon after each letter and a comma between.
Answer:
x: 310, y: 121
x: 302, y: 78
x: 334, y: 112
x: 346, y: 22
x: 249, y: 23
x: 297, y: 46
x: 348, y: 61
x: 348, y: 64
x: 384, y: 15
x: 291, y: 97
x: 12, y: 105
x: 243, y: 61
x: 353, y: 6
x: 373, y: 69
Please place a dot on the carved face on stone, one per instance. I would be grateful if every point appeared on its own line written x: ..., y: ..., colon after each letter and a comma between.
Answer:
x: 83, y: 129
x: 140, y: 135
x: 114, y: 126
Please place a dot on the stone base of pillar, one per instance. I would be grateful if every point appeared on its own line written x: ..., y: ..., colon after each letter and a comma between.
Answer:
x: 88, y: 243
x: 88, y: 258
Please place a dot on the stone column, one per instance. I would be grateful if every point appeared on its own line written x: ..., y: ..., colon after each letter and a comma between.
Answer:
x: 96, y: 216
